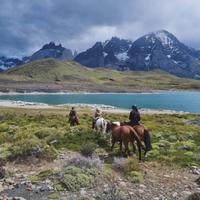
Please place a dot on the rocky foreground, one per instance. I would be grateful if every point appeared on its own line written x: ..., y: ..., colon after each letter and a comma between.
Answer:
x: 160, y: 182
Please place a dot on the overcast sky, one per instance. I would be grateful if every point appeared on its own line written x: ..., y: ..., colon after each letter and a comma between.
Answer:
x: 25, y: 25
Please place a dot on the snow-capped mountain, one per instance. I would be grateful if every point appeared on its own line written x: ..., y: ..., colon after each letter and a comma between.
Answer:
x: 157, y: 50
x: 111, y: 53
x: 6, y: 63
x: 162, y: 50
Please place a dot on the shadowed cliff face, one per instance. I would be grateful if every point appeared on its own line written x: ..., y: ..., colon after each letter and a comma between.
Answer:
x: 157, y: 50
x: 52, y: 51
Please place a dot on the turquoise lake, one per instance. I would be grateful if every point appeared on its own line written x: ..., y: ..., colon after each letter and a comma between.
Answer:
x: 178, y: 101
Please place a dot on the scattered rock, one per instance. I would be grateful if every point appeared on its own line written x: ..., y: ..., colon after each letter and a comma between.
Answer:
x: 194, y: 196
x: 174, y: 195
x: 198, y: 181
x: 9, y: 181
x: 141, y: 191
x: 186, y: 194
x: 185, y: 148
x: 195, y: 170
x: 18, y: 198
x: 142, y: 186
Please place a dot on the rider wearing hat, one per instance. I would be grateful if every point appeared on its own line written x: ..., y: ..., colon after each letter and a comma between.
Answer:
x: 97, y: 115
x: 134, y: 116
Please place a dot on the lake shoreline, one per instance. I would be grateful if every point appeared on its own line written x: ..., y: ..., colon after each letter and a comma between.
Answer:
x: 104, y: 108
x: 95, y: 92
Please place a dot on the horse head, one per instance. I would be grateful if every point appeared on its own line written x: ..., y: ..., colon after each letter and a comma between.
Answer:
x: 111, y: 125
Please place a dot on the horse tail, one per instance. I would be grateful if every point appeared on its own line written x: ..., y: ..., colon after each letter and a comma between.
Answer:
x: 147, y: 140
x: 139, y: 143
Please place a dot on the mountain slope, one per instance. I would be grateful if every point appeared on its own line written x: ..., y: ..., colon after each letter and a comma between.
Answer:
x: 111, y: 53
x: 162, y: 50
x: 6, y: 63
x: 52, y: 50
x: 157, y: 50
x: 51, y: 75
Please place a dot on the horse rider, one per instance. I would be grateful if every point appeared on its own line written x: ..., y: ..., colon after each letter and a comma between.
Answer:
x: 134, y: 116
x: 73, y: 117
x: 97, y: 115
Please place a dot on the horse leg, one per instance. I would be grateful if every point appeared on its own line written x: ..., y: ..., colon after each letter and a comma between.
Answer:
x: 120, y: 147
x: 133, y: 144
x: 127, y: 152
x: 113, y: 144
x: 139, y: 150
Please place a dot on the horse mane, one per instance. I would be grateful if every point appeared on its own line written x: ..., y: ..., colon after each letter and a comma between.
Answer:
x: 116, y: 123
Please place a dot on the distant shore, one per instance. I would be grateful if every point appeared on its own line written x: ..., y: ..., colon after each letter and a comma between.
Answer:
x: 87, y: 92
x: 104, y: 108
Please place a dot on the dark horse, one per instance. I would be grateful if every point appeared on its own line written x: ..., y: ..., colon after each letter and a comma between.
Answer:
x: 74, y: 121
x: 124, y: 135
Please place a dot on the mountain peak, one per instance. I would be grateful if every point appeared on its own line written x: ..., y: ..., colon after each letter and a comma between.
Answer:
x: 52, y: 45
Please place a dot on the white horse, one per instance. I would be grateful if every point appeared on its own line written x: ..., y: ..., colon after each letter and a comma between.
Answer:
x: 101, y: 125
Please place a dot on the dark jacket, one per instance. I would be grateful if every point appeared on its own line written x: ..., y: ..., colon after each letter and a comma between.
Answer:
x: 72, y: 114
x: 134, y: 117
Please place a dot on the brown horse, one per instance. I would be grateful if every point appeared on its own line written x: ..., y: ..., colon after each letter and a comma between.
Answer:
x: 143, y: 133
x: 125, y: 134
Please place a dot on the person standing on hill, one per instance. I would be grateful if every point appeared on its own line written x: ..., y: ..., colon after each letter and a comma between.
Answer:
x: 134, y: 116
x: 73, y: 117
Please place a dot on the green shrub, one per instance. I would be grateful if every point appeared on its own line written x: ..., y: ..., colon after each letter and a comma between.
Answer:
x: 31, y: 147
x: 44, y: 132
x: 73, y: 178
x: 59, y: 186
x: 133, y: 164
x: 135, y: 177
x: 87, y: 149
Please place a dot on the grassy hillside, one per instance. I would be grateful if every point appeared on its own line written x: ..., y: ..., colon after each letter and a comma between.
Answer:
x: 69, y: 75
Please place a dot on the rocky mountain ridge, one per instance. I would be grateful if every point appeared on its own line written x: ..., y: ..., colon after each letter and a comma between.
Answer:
x: 157, y: 50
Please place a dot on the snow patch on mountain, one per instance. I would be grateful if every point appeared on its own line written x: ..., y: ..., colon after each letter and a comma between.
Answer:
x: 105, y: 54
x: 164, y: 38
x: 122, y: 56
x: 147, y: 57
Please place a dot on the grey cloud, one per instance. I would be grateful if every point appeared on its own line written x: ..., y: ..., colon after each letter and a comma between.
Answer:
x: 26, y: 25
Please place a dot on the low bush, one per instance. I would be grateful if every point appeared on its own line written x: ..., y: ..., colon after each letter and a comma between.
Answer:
x: 88, y: 149
x: 135, y: 177
x: 74, y: 178
x: 87, y: 162
x: 31, y: 147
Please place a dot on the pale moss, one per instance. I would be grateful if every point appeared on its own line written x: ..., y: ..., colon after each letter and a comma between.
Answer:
x: 59, y: 186
x: 54, y: 196
x: 74, y: 178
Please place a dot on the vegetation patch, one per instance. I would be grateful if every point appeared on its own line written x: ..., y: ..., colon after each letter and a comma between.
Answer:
x: 135, y: 177
x: 73, y: 178
x: 41, y: 176
x: 25, y: 133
